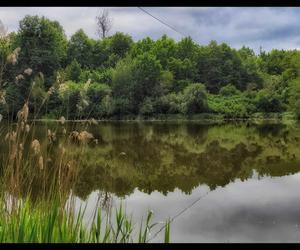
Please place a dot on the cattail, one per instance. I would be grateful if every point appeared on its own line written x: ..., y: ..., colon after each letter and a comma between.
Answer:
x: 74, y: 135
x: 41, y: 163
x: 35, y: 145
x: 13, y: 57
x: 20, y: 154
x: 19, y: 77
x: 50, y: 91
x: 28, y: 71
x: 2, y: 97
x: 7, y: 136
x: 93, y: 121
x: 22, y: 125
x: 27, y: 128
x: 84, y: 136
x: 87, y: 84
x: 79, y: 107
x: 85, y: 103
x: 23, y: 113
x: 62, y: 120
x: 11, y: 136
x: 26, y: 111
x: 13, y: 152
x: 51, y: 136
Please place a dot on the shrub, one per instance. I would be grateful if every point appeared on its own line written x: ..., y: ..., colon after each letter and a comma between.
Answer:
x: 229, y: 90
x: 194, y: 99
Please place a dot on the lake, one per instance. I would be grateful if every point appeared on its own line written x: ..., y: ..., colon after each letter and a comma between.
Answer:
x: 232, y: 182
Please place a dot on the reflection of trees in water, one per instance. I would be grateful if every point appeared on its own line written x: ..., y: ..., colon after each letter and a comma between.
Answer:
x: 270, y: 129
x: 216, y: 166
x: 155, y: 163
x: 162, y: 157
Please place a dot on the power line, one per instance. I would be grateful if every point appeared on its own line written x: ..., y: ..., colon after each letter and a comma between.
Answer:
x: 164, y: 23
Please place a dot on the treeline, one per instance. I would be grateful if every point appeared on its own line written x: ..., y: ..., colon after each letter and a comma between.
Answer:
x: 116, y: 77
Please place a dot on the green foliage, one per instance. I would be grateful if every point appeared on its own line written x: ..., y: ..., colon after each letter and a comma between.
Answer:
x: 120, y: 44
x: 49, y: 224
x: 95, y: 95
x: 74, y: 71
x: 229, y: 90
x: 80, y: 49
x: 122, y: 85
x: 268, y: 102
x: 166, y: 80
x: 234, y: 106
x: 163, y: 49
x: 146, y: 71
x: 194, y: 99
x: 43, y: 46
x: 182, y: 69
x: 146, y: 77
x: 294, y: 97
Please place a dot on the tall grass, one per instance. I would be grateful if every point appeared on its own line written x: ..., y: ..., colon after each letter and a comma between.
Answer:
x: 36, y: 180
x: 53, y: 225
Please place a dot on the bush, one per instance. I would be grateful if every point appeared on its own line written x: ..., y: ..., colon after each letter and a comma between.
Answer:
x: 194, y: 99
x: 268, y: 102
x: 237, y: 106
x: 229, y: 90
x: 74, y: 71
x: 147, y: 107
x: 294, y: 97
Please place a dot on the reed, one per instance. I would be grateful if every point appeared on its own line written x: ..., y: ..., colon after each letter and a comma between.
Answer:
x: 37, y: 176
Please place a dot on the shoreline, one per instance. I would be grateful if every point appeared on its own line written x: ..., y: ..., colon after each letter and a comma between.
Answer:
x: 204, y: 118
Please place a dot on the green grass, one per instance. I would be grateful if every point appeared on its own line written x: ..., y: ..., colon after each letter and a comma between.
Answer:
x: 50, y: 224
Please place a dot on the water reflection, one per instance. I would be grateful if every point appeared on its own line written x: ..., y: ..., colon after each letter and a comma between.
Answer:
x: 155, y: 156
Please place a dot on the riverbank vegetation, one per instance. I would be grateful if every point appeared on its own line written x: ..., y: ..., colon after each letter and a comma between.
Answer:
x: 116, y: 77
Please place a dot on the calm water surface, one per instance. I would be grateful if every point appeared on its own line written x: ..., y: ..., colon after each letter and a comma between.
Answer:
x: 225, y: 183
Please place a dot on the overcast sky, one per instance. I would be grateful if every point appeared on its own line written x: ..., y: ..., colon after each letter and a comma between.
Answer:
x: 272, y: 27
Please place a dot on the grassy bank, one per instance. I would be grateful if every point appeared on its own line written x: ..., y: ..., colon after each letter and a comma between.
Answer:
x: 45, y: 223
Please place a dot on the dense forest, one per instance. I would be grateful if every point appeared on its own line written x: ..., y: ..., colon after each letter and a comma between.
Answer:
x: 116, y: 77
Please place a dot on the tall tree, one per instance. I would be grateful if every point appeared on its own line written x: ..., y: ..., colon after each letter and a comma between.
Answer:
x: 43, y: 46
x: 80, y: 48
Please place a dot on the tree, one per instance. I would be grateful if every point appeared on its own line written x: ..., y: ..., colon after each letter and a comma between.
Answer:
x: 186, y: 49
x: 294, y: 97
x: 194, y: 99
x: 182, y: 69
x: 267, y: 102
x: 74, y: 71
x: 80, y: 48
x: 146, y: 72
x: 218, y: 66
x: 164, y: 48
x: 122, y: 86
x: 43, y: 46
x: 142, y: 46
x: 104, y: 23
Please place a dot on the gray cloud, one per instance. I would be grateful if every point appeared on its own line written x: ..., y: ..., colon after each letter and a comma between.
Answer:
x: 249, y: 26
